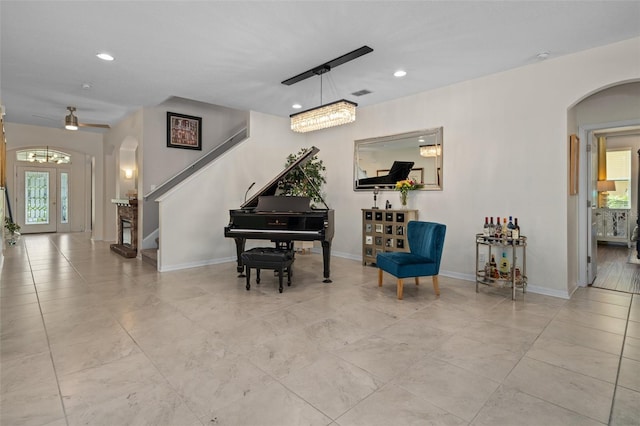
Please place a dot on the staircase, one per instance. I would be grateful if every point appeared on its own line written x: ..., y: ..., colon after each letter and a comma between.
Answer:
x: 150, y: 255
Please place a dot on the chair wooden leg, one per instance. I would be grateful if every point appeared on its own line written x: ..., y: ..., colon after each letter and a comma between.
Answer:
x: 436, y: 287
x: 417, y: 281
x: 379, y: 277
x: 400, y: 286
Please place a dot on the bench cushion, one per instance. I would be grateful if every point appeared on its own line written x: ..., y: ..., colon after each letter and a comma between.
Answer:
x: 266, y: 257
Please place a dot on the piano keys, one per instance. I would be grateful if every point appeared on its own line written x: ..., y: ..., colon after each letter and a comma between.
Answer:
x: 282, y: 219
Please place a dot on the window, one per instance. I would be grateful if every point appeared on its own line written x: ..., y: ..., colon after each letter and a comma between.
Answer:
x: 43, y: 155
x: 64, y: 197
x: 619, y: 170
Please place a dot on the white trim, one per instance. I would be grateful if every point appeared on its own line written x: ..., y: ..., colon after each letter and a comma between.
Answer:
x: 548, y: 292
x: 196, y: 264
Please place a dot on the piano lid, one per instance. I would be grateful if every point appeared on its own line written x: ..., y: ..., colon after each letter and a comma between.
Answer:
x: 272, y: 187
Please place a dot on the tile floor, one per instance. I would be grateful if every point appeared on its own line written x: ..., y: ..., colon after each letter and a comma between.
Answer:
x: 88, y: 337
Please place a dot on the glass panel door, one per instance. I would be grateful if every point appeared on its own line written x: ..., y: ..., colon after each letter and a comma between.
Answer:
x: 36, y: 194
x: 37, y: 206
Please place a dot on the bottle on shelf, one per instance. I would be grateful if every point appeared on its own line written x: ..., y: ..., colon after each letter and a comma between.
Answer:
x: 504, y: 228
x: 487, y: 270
x: 510, y: 227
x: 493, y: 266
x: 515, y: 232
x: 486, y: 230
x: 492, y: 227
x: 505, y: 265
x: 498, y: 229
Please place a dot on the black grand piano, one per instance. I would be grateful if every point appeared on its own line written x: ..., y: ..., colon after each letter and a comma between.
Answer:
x: 282, y: 219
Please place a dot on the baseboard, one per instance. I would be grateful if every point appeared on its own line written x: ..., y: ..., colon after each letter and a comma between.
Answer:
x: 343, y: 255
x: 548, y: 292
x: 195, y: 264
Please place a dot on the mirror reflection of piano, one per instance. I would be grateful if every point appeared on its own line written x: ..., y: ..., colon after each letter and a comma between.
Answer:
x: 282, y: 219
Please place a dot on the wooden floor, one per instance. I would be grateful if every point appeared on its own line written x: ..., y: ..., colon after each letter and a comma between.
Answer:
x: 614, y: 270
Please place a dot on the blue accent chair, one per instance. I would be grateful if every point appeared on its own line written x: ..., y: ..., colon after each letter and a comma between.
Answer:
x: 426, y: 240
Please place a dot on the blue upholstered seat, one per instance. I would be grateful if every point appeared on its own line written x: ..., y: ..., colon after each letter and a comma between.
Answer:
x: 426, y: 241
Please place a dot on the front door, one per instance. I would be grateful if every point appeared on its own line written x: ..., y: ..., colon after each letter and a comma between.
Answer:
x: 38, y: 199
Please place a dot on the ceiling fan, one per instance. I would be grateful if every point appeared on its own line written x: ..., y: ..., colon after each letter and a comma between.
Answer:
x: 71, y: 121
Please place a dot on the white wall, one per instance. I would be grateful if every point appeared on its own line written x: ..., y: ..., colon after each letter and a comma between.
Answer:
x: 159, y: 162
x: 125, y: 134
x: 505, y: 153
x: 193, y: 216
x: 619, y: 103
x: 81, y: 144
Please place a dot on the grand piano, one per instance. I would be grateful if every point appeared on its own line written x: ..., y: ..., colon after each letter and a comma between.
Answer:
x: 282, y: 219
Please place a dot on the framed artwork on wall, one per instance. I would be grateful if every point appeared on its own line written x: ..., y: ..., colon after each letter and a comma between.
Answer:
x: 184, y: 131
x: 574, y: 157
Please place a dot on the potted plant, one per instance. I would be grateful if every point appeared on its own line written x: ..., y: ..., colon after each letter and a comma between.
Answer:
x: 302, y: 180
x: 13, y: 228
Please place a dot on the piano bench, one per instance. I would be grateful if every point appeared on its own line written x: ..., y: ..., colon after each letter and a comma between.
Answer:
x: 267, y: 258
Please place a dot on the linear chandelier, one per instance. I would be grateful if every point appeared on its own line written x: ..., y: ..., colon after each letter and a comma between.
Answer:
x: 430, y: 150
x: 329, y: 115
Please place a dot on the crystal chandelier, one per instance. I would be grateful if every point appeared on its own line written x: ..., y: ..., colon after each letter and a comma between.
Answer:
x: 326, y: 115
x: 329, y: 115
x: 430, y: 150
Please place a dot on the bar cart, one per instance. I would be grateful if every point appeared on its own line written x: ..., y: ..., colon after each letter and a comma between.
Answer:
x: 516, y: 274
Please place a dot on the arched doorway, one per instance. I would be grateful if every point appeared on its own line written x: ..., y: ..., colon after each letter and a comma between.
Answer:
x: 610, y: 109
x: 50, y: 190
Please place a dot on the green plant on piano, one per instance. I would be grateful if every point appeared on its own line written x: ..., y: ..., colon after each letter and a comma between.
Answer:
x: 304, y: 181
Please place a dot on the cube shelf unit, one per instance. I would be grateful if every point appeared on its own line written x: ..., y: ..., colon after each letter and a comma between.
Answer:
x: 384, y: 230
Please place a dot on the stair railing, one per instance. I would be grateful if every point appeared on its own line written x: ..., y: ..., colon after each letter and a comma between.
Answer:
x: 216, y: 152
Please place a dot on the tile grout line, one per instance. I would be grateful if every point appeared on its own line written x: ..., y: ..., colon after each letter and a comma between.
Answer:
x: 624, y: 339
x: 44, y: 325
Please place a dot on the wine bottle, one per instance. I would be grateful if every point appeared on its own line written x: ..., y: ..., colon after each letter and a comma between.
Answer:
x: 504, y: 228
x: 485, y: 230
x: 515, y: 232
x: 498, y: 230
x: 510, y: 227
x: 492, y: 228
x: 493, y: 266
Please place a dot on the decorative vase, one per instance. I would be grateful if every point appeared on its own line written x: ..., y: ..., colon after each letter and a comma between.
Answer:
x: 403, y: 199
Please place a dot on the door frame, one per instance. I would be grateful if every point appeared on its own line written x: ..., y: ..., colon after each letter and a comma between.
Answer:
x: 585, y: 234
x: 55, y: 172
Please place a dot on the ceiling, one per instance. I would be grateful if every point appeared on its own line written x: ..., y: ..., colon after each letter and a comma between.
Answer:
x: 237, y: 53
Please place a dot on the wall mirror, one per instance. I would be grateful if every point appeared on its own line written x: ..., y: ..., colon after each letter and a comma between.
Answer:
x: 382, y: 161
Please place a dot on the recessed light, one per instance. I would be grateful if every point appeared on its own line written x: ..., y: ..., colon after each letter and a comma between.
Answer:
x: 86, y: 86
x: 296, y: 106
x: 542, y: 55
x: 105, y: 56
x: 400, y: 73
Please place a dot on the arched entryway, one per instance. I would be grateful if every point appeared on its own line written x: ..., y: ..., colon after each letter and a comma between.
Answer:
x: 50, y: 189
x: 607, y: 111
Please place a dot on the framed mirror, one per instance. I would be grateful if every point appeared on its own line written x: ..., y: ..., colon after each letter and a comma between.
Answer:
x: 382, y: 161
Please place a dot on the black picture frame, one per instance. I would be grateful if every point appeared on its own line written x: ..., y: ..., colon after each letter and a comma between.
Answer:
x: 184, y: 131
